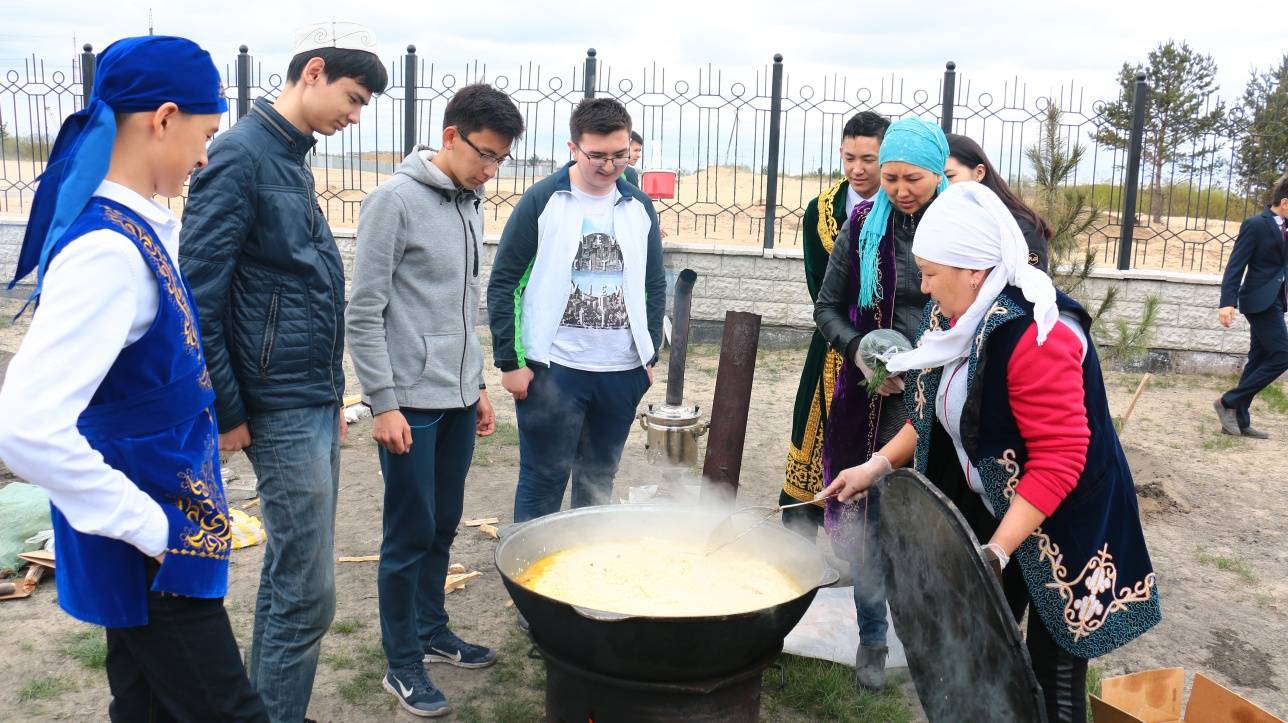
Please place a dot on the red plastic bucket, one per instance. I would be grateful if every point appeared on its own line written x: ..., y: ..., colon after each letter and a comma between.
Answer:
x: 658, y: 185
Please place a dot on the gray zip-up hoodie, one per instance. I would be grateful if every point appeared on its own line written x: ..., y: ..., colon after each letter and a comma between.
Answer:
x: 414, y: 302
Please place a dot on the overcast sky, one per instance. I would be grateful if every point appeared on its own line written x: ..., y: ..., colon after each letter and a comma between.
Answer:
x: 1045, y: 43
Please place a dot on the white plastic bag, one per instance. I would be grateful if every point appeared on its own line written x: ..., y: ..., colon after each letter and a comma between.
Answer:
x: 830, y: 631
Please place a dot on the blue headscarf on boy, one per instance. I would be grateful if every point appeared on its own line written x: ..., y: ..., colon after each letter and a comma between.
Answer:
x: 134, y: 75
x: 911, y: 140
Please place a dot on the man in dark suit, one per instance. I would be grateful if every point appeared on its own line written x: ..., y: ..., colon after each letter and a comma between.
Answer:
x: 1262, y: 295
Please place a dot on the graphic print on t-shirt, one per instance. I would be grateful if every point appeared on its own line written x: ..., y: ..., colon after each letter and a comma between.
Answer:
x: 596, y: 299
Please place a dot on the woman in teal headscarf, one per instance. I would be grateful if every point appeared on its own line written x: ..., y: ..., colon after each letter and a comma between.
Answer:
x: 872, y: 282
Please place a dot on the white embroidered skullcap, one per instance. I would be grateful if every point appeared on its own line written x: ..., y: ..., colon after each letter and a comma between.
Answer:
x: 334, y: 34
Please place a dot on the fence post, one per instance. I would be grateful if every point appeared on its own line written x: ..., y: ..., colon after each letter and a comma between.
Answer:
x: 1131, y: 181
x: 590, y: 72
x: 87, y: 72
x: 771, y: 181
x: 950, y: 97
x: 243, y: 81
x: 409, y: 100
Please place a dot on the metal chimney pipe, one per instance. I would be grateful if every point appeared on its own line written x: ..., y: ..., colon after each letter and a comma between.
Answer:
x: 683, y: 305
x: 723, y: 465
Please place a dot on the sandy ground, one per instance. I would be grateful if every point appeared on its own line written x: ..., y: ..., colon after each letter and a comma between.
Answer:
x: 1213, y: 508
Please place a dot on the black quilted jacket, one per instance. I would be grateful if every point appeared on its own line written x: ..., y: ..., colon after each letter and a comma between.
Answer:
x: 264, y: 271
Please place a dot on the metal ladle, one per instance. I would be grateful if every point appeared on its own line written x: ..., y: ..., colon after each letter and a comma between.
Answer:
x: 724, y: 535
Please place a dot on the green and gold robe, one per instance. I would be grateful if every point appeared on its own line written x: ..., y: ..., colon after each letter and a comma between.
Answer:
x: 823, y: 219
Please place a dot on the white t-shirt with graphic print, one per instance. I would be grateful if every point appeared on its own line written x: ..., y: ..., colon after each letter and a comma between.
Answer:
x: 595, y: 333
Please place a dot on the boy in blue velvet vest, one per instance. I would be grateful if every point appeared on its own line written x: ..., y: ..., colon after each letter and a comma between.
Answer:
x: 108, y: 405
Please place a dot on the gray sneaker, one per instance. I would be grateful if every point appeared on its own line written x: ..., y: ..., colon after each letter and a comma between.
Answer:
x: 415, y: 693
x: 869, y: 666
x: 1253, y: 433
x: 1229, y: 422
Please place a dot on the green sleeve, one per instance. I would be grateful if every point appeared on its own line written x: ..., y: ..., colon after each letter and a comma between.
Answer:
x: 510, y: 271
x: 815, y: 256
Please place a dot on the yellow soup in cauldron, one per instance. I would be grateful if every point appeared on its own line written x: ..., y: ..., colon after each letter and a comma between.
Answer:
x: 658, y: 578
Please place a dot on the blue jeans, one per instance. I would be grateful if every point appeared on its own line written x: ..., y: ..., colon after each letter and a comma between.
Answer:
x: 296, y: 456
x: 573, y: 422
x: 869, y: 580
x: 424, y: 495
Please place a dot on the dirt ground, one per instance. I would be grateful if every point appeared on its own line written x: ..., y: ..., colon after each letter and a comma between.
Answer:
x: 1213, y: 508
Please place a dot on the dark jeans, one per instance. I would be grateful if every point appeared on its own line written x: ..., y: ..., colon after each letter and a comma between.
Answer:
x: 424, y: 495
x: 573, y: 422
x: 865, y: 568
x: 869, y: 579
x: 296, y: 456
x: 182, y: 666
x: 1267, y: 360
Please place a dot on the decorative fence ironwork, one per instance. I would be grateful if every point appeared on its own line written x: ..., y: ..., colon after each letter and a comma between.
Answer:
x: 751, y: 146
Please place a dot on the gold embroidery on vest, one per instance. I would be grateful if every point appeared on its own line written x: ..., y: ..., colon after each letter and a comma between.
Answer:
x: 827, y: 227
x: 168, y: 275
x: 805, y: 463
x: 206, y: 509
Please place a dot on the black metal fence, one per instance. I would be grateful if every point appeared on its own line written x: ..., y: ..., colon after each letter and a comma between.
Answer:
x: 751, y: 146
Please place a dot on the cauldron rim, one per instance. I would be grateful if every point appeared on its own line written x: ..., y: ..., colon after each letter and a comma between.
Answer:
x: 828, y: 576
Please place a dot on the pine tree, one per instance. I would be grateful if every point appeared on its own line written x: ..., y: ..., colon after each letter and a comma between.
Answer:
x: 1071, y: 212
x: 1263, y: 151
x: 1181, y: 109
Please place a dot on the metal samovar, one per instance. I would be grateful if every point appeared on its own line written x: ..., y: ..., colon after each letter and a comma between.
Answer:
x: 673, y: 428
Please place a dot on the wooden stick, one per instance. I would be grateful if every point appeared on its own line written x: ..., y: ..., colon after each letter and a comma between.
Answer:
x: 482, y: 521
x: 1144, y: 382
x: 456, y: 582
x: 38, y: 557
x: 360, y: 558
x: 24, y: 587
x: 490, y: 531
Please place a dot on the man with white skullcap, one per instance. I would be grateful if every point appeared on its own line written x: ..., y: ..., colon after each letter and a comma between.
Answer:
x: 1008, y: 414
x: 268, y: 282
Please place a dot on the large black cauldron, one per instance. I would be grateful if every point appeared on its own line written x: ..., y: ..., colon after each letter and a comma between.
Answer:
x: 656, y: 648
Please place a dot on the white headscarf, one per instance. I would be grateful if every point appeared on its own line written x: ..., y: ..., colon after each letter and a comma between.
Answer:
x: 969, y: 227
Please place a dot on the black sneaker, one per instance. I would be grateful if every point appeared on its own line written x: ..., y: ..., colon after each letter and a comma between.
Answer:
x: 415, y: 693
x: 447, y: 648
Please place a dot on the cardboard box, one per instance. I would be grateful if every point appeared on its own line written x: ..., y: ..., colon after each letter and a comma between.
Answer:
x: 1154, y: 696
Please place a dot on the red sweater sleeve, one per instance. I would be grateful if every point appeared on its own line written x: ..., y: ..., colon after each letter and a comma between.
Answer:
x: 1044, y: 384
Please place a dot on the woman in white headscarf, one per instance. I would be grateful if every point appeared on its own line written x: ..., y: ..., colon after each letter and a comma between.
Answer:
x: 1008, y: 417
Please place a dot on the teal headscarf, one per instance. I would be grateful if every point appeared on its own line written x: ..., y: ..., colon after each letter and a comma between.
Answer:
x: 911, y: 140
